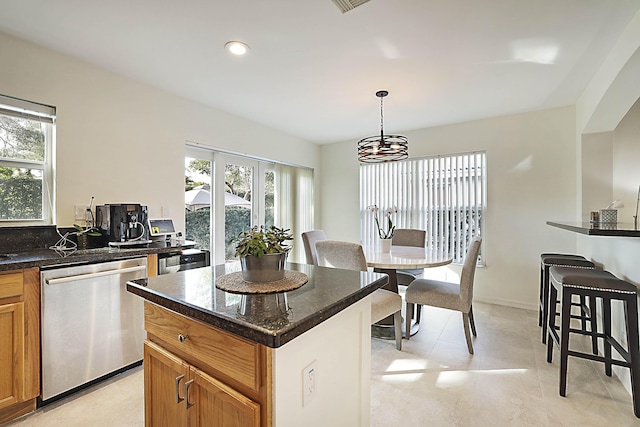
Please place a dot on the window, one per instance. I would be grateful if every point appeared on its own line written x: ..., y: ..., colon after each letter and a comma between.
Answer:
x: 444, y: 195
x: 26, y: 178
x: 250, y: 192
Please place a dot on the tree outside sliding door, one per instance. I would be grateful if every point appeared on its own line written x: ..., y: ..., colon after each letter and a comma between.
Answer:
x: 224, y: 196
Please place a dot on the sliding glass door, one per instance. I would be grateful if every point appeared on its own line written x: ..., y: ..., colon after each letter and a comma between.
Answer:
x: 235, y: 194
x: 242, y: 189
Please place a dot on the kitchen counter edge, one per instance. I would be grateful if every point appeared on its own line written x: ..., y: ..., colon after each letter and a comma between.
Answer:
x: 44, y: 258
x: 252, y: 332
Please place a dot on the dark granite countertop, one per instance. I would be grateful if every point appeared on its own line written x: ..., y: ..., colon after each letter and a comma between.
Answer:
x: 620, y: 229
x: 44, y: 258
x: 264, y: 319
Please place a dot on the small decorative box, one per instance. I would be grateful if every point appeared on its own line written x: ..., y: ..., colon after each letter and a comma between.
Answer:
x: 608, y: 216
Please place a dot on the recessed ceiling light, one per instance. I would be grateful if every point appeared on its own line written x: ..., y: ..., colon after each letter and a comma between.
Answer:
x: 237, y: 48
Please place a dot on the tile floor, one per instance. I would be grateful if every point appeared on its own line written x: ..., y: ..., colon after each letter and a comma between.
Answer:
x: 432, y: 382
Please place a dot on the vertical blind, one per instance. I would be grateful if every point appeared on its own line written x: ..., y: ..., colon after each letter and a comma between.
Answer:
x: 444, y: 195
x: 294, y: 204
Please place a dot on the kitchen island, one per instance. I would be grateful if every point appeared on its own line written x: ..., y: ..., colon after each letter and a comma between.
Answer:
x: 287, y: 359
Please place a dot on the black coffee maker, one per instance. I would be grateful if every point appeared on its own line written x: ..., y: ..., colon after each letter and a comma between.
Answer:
x: 124, y: 224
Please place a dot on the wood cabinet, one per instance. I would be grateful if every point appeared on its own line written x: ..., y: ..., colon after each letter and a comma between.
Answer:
x: 19, y: 342
x: 197, y: 375
x: 11, y: 353
x: 152, y: 265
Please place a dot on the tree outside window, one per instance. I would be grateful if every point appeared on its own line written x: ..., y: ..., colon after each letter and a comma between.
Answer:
x: 25, y: 138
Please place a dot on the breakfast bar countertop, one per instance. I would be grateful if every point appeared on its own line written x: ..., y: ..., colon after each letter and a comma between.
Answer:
x: 268, y: 319
x: 619, y: 229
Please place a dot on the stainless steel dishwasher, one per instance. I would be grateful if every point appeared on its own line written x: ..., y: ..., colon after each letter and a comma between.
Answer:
x: 91, y: 326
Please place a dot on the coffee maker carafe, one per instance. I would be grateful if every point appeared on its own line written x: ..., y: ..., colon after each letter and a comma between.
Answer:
x: 124, y: 224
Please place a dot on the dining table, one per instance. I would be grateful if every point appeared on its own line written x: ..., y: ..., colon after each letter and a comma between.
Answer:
x: 401, y: 258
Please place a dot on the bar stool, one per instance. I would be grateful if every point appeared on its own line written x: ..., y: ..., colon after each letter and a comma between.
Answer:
x: 548, y: 260
x: 568, y: 282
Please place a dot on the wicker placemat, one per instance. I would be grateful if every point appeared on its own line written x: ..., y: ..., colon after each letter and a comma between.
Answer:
x: 233, y: 282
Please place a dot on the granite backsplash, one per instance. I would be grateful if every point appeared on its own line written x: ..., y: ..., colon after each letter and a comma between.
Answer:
x: 20, y: 239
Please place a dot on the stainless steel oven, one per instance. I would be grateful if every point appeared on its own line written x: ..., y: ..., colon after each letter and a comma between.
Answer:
x: 185, y: 259
x: 91, y: 326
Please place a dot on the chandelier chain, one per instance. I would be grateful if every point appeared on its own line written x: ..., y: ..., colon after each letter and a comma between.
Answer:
x: 381, y: 119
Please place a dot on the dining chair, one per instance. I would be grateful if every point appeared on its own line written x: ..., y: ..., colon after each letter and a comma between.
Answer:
x: 409, y: 237
x: 350, y: 256
x: 452, y: 296
x: 309, y: 239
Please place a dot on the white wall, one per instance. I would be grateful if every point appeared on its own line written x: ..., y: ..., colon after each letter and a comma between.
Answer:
x: 531, y: 179
x: 611, y: 104
x: 123, y: 141
x: 597, y: 172
x: 340, y: 348
x: 616, y: 254
x: 536, y: 173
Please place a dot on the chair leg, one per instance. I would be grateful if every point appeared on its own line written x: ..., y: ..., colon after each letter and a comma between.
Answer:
x: 397, y: 325
x: 565, y: 318
x: 583, y: 316
x: 418, y: 311
x: 594, y: 324
x: 551, y: 322
x: 467, y: 334
x: 544, y: 312
x: 631, y: 316
x: 472, y: 322
x: 540, y: 300
x: 408, y: 315
x: 606, y: 326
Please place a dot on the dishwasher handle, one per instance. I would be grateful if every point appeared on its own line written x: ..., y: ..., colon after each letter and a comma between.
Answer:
x: 92, y: 275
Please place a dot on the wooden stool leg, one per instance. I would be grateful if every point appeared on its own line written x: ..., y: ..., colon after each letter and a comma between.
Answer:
x: 631, y: 316
x: 551, y: 322
x: 606, y: 324
x: 546, y: 304
x: 541, y: 301
x: 594, y: 324
x: 565, y: 319
x: 583, y: 314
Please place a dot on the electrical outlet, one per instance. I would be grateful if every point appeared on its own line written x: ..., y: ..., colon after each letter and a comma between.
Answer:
x: 309, y: 383
x: 80, y: 212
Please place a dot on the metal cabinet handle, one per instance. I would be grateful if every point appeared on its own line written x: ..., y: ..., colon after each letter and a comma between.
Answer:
x: 178, y: 398
x: 186, y: 394
x: 182, y: 338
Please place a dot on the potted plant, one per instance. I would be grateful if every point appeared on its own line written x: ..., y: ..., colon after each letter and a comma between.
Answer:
x: 263, y: 252
x: 83, y: 234
x: 385, y: 234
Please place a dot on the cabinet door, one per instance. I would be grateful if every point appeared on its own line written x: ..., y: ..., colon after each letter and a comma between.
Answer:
x: 164, y: 379
x: 214, y: 404
x: 11, y: 353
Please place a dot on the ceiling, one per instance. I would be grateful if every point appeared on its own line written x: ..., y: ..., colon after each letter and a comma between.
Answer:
x: 313, y: 71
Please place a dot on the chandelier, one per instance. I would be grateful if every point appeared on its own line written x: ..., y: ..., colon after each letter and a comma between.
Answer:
x: 383, y: 148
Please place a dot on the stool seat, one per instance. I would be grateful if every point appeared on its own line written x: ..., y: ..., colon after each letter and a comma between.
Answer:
x: 557, y: 255
x: 568, y: 262
x: 567, y: 282
x: 596, y: 280
x: 548, y: 260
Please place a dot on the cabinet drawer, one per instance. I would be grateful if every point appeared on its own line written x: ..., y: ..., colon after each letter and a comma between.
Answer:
x: 11, y: 284
x: 205, y: 345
